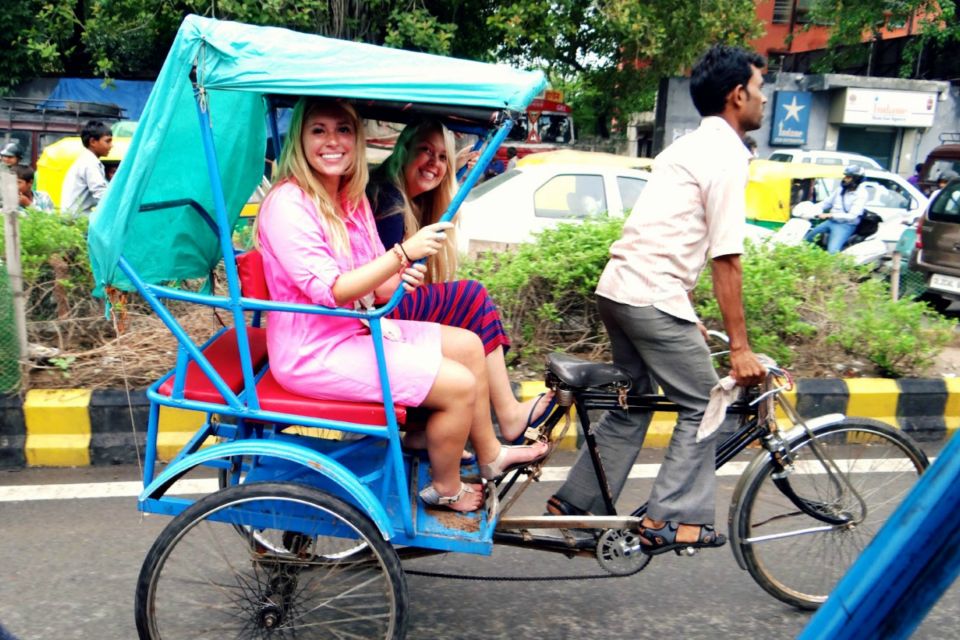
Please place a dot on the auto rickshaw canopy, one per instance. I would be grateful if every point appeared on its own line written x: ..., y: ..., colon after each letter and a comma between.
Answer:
x: 157, y: 212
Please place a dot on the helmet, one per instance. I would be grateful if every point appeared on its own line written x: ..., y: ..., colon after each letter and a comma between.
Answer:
x: 854, y: 171
x: 947, y: 176
x: 11, y: 149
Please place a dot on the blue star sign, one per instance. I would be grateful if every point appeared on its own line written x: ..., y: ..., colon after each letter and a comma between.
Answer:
x: 791, y: 118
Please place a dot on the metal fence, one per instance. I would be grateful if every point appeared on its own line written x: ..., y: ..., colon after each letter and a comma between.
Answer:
x: 9, y: 346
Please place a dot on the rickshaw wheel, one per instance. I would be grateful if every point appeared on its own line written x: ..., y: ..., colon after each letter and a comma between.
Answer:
x: 291, y: 579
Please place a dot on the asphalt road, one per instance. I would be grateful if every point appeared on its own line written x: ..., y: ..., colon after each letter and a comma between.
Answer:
x: 68, y: 570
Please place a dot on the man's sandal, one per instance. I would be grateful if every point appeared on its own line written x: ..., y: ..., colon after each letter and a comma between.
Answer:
x: 653, y: 542
x: 431, y: 496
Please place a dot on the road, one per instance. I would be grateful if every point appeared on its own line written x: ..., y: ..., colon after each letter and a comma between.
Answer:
x: 69, y: 569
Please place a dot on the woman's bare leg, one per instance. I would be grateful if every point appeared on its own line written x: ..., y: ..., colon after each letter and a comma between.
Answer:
x: 452, y: 398
x: 466, y: 348
x: 511, y: 413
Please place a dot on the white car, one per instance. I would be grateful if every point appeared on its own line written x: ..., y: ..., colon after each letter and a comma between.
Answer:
x: 512, y: 207
x: 824, y: 157
x: 889, y: 195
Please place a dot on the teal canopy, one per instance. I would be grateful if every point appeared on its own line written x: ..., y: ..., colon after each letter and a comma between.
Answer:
x: 151, y: 214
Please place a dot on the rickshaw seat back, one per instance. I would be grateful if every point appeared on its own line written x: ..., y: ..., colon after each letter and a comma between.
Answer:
x: 224, y: 355
x: 253, y: 284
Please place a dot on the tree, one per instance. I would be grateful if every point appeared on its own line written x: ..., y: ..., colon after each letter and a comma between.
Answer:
x: 611, y: 54
x: 853, y: 22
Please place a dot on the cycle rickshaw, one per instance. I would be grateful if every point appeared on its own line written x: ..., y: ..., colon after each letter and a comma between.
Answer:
x: 304, y: 537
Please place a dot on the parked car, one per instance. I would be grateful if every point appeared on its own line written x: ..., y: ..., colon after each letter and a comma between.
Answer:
x: 841, y: 158
x: 937, y: 253
x: 513, y: 206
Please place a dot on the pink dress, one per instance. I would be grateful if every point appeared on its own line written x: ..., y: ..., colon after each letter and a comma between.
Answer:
x: 328, y: 357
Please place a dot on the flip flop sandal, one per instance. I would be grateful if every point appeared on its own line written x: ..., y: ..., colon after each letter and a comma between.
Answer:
x: 533, y: 425
x: 431, y: 496
x: 664, y: 539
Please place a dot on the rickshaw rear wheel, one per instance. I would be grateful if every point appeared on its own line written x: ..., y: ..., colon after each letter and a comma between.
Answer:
x: 202, y: 580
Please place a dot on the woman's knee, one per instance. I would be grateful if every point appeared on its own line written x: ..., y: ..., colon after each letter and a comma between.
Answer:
x: 455, y: 385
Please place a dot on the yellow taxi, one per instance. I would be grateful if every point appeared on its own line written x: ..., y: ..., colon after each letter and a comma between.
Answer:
x: 775, y: 188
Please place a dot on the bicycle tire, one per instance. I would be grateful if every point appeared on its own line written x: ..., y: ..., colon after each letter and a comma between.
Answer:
x: 202, y: 580
x: 797, y: 558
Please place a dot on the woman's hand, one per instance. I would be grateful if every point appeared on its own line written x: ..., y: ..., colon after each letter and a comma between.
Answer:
x: 413, y: 276
x: 426, y: 242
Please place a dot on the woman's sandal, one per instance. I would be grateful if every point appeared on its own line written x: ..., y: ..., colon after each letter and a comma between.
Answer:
x: 431, y: 496
x: 653, y: 541
x: 534, y: 423
x: 498, y: 468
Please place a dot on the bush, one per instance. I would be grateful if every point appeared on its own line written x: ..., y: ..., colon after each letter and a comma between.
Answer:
x: 56, y: 268
x: 805, y: 308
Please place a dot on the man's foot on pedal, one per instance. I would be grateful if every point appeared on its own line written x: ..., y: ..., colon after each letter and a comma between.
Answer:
x: 658, y: 537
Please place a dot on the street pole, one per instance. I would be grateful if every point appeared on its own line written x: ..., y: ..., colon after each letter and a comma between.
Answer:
x: 10, y: 202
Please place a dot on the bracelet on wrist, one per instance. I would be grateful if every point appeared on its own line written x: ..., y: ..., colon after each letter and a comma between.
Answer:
x: 401, y: 256
x: 400, y: 244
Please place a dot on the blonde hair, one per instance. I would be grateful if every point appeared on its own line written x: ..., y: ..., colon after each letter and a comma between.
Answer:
x: 428, y: 207
x: 293, y: 167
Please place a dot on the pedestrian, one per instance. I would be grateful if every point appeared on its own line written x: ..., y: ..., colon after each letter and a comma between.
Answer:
x: 915, y: 178
x: 691, y: 211
x: 11, y: 154
x: 842, y: 210
x: 86, y: 181
x: 29, y: 198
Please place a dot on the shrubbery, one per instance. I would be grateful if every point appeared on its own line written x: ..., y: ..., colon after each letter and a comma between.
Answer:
x: 805, y: 308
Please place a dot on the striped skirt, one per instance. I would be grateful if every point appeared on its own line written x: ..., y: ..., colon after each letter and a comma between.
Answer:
x: 463, y: 303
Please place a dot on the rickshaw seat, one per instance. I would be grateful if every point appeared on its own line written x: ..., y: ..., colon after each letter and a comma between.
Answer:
x: 224, y: 355
x: 273, y: 397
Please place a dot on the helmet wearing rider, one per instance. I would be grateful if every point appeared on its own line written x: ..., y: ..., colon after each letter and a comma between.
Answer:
x: 853, y: 175
x: 11, y: 153
x: 946, y: 177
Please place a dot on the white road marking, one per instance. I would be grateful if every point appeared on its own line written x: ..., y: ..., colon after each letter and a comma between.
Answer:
x: 26, y: 493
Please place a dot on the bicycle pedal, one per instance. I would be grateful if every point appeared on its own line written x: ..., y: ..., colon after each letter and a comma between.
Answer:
x: 686, y: 551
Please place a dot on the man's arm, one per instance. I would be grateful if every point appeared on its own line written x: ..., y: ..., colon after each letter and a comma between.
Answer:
x: 728, y: 288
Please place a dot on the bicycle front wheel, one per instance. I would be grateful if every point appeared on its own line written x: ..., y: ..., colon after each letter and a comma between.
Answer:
x: 797, y: 557
x: 287, y: 576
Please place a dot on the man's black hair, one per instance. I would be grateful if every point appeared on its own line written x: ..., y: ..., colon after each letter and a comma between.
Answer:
x: 717, y: 73
x: 24, y: 172
x: 93, y: 130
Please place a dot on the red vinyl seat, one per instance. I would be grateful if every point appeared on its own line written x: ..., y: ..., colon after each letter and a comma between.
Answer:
x: 224, y: 355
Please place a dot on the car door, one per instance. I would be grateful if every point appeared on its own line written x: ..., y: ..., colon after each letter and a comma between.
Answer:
x: 889, y: 200
x: 568, y: 196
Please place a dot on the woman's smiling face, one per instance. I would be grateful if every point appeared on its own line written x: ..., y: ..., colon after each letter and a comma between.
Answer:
x: 427, y: 165
x: 329, y: 144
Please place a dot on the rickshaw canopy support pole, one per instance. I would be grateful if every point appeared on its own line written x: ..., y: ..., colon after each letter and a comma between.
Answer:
x: 913, y: 560
x: 225, y: 233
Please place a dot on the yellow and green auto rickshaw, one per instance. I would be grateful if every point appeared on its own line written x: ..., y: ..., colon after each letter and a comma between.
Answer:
x: 775, y: 188
x: 57, y: 158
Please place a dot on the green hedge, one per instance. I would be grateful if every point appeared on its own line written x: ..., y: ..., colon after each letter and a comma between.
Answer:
x: 804, y: 308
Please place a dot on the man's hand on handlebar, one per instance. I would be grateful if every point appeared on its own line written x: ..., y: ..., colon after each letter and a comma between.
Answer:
x: 746, y: 368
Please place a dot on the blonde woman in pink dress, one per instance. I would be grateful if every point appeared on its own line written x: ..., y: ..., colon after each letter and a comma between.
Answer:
x: 320, y: 246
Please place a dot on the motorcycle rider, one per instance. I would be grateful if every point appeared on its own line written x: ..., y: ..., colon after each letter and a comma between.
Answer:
x: 842, y: 210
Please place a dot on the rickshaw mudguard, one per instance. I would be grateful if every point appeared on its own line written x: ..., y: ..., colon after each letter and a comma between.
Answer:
x: 330, y: 469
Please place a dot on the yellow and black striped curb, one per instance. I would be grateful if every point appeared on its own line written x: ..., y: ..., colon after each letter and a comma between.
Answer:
x: 80, y: 427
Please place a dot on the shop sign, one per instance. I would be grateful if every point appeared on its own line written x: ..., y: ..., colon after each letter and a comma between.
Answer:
x: 791, y: 118
x: 884, y: 107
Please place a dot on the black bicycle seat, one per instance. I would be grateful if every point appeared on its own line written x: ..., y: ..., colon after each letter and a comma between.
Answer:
x: 577, y: 372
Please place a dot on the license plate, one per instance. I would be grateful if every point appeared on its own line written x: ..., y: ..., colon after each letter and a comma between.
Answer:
x: 945, y: 283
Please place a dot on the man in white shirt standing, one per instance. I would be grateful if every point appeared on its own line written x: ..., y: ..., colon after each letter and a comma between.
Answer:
x: 85, y: 182
x: 692, y: 209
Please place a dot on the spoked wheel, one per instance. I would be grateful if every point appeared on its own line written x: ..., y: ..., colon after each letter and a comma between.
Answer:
x: 798, y: 558
x: 289, y: 578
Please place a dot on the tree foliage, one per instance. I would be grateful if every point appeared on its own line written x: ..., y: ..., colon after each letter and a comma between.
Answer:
x: 852, y: 22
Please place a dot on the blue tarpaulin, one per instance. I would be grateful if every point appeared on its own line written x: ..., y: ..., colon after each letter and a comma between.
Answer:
x: 129, y: 95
